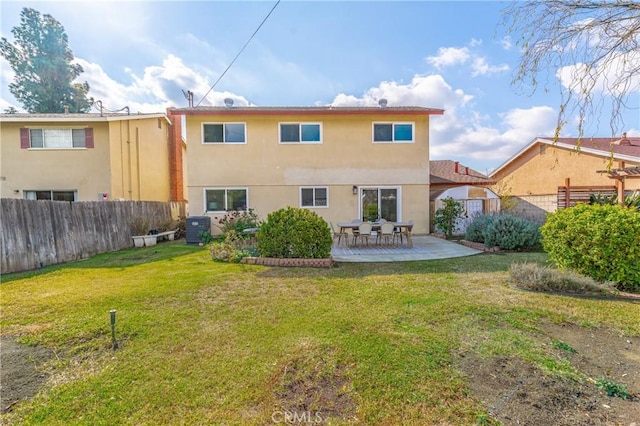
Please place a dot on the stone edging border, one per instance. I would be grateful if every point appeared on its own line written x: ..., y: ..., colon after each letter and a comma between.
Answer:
x: 479, y: 246
x: 273, y: 261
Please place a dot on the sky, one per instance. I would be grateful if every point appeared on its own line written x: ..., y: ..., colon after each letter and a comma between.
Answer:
x: 450, y: 55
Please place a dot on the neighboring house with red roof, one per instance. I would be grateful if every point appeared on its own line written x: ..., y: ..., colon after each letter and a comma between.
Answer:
x: 451, y: 179
x: 535, y: 174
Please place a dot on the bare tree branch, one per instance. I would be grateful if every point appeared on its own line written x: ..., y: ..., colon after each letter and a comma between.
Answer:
x: 591, y: 47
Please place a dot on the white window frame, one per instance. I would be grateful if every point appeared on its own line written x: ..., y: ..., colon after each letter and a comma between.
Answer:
x: 226, y: 199
x: 31, y: 193
x: 224, y: 124
x: 314, y: 206
x: 393, y: 125
x: 44, y: 130
x: 300, y: 124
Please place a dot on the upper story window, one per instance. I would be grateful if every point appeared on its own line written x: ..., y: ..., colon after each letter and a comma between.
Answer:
x: 300, y: 133
x: 314, y: 197
x: 393, y: 132
x: 224, y: 133
x: 56, y: 138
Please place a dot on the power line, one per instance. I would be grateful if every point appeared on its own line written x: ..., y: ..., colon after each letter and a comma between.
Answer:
x: 240, y: 52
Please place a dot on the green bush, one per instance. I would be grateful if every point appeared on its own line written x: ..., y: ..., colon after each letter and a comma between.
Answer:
x: 446, y: 218
x: 238, y: 221
x: 600, y: 241
x: 231, y: 248
x: 475, y: 230
x: 294, y: 233
x: 510, y: 232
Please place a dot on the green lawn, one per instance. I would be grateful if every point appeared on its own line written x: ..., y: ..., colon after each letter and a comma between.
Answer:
x: 212, y: 343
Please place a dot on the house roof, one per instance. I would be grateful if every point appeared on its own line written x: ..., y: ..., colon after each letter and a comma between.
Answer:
x: 83, y: 117
x: 452, y: 173
x: 305, y: 110
x: 621, y: 149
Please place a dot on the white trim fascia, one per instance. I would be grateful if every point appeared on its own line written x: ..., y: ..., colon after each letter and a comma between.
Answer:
x: 75, y: 118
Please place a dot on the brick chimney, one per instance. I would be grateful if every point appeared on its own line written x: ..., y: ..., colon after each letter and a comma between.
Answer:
x: 624, y: 141
x: 176, y: 172
x: 455, y: 167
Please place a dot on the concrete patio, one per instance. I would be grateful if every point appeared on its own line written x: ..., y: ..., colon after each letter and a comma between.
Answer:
x: 424, y: 248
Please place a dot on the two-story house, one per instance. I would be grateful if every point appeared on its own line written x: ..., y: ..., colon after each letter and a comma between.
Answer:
x: 343, y: 162
x: 90, y: 157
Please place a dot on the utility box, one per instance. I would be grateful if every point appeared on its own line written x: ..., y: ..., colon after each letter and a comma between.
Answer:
x: 195, y: 225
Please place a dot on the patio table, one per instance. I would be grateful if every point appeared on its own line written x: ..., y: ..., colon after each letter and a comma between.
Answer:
x: 404, y: 228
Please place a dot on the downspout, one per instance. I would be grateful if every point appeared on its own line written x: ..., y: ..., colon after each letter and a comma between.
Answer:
x: 138, y: 163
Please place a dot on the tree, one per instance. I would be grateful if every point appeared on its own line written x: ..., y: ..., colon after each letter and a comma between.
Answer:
x: 447, y: 216
x: 42, y: 61
x: 591, y: 46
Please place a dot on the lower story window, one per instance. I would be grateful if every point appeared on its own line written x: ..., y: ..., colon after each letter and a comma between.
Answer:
x: 314, y: 197
x: 51, y: 195
x: 225, y: 199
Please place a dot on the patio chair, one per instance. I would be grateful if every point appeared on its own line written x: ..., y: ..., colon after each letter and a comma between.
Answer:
x: 338, y: 233
x: 363, y: 233
x: 386, y: 233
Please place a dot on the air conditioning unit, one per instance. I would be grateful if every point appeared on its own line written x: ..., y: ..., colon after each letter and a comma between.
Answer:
x: 195, y: 225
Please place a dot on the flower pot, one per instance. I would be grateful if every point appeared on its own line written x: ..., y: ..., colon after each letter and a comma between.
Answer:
x: 150, y: 240
x: 138, y: 241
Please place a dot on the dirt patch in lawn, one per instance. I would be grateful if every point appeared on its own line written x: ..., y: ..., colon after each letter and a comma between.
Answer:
x: 21, y: 373
x: 314, y: 388
x: 314, y: 384
x: 516, y: 392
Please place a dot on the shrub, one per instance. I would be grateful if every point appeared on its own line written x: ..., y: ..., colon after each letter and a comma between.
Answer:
x: 205, y: 237
x: 230, y: 249
x: 139, y: 225
x: 600, y: 241
x: 531, y: 276
x: 238, y: 221
x: 294, y: 233
x: 447, y: 216
x: 180, y: 225
x: 475, y: 230
x: 510, y: 232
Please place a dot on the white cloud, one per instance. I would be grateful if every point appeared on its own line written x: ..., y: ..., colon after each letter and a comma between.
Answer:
x: 448, y: 56
x: 481, y: 142
x: 159, y: 87
x: 481, y: 67
x: 607, y: 78
x: 506, y: 43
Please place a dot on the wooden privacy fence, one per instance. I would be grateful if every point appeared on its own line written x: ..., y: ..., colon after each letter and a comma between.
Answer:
x: 39, y: 233
x: 568, y: 196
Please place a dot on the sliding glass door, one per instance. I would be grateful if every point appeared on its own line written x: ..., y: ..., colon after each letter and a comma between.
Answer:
x: 380, y: 203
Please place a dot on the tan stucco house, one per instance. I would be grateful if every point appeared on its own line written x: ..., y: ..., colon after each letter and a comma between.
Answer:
x: 90, y: 157
x: 342, y: 162
x: 535, y: 173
